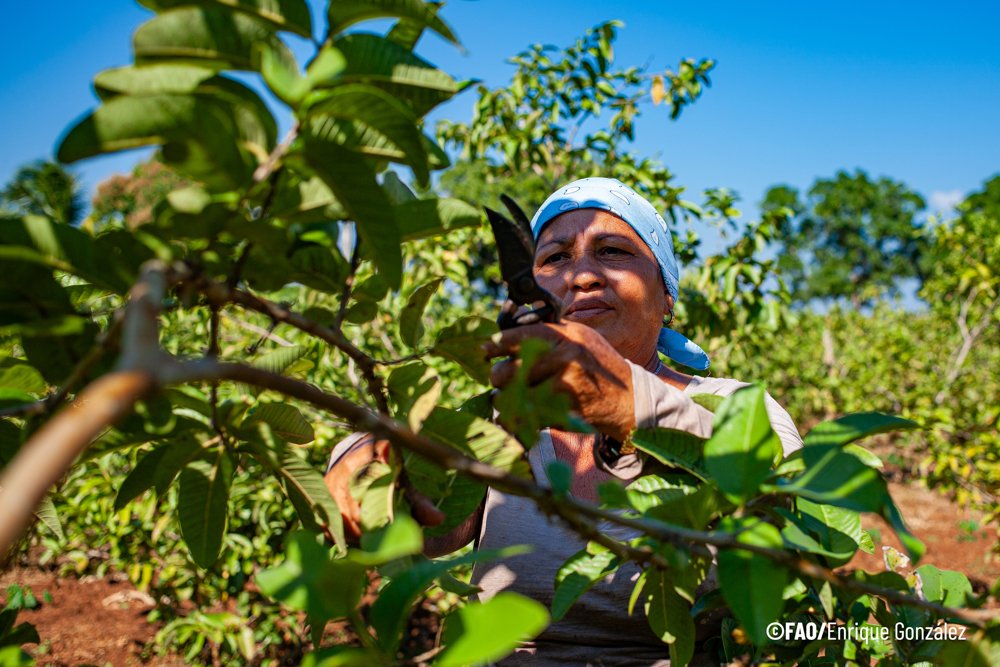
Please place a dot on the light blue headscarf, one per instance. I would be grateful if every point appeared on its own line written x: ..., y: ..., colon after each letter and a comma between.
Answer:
x: 609, y: 194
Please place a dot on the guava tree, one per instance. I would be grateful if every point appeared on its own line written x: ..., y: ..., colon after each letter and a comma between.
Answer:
x: 116, y: 339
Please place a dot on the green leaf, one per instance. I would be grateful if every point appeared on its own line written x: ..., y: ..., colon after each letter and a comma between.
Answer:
x: 424, y: 218
x: 254, y: 122
x: 669, y: 616
x: 743, y: 446
x: 853, y: 427
x: 577, y: 575
x: 462, y: 342
x: 457, y: 496
x: 484, y: 632
x: 209, y: 36
x: 710, y: 402
x: 141, y: 478
x: 304, y: 486
x: 835, y: 477
x: 179, y: 452
x: 414, y: 389
x: 151, y: 79
x: 826, y: 599
x: 353, y: 183
x: 411, y: 328
x: 483, y: 439
x: 691, y: 509
x: 947, y: 587
x: 374, y: 490
x: 979, y: 650
x: 914, y: 547
x: 833, y: 532
x: 380, y: 62
x: 640, y: 584
x: 749, y: 581
x: 57, y: 246
x: 285, y: 420
x: 325, y: 67
x: 400, y: 538
x: 319, y: 267
x: 308, y: 580
x: 198, y: 136
x: 392, y: 607
x: 19, y: 375
x: 397, y: 191
x: 560, y: 477
x: 344, y: 14
x: 202, y: 506
x: 305, y: 199
x: 677, y: 449
x: 291, y: 15
x: 366, y: 119
x: 280, y: 359
x: 47, y: 514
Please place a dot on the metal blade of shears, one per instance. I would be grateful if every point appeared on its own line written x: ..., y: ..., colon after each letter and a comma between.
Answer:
x: 516, y: 248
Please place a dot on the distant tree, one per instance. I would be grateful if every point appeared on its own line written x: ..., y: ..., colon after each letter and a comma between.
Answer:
x: 963, y: 275
x: 129, y: 200
x: 44, y: 188
x: 850, y: 237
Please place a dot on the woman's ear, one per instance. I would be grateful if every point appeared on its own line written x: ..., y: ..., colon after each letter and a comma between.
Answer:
x: 668, y: 304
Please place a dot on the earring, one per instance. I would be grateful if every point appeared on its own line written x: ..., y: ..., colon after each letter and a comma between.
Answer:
x: 670, y: 319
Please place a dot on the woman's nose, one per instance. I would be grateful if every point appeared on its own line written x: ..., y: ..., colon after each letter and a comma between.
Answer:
x: 585, y: 275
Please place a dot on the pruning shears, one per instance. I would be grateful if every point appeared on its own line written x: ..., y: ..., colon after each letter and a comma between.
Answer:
x: 516, y: 247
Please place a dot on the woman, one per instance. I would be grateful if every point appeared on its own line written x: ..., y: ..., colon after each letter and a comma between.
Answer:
x: 606, y: 255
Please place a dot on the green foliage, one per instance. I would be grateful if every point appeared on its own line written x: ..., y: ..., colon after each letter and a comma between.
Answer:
x: 212, y: 477
x: 482, y: 632
x: 45, y: 189
x: 852, y: 238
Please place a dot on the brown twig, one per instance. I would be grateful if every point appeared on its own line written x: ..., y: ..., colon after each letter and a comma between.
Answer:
x: 345, y: 294
x: 267, y: 167
x: 220, y: 293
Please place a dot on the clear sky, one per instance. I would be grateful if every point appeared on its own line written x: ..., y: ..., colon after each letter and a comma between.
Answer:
x: 909, y: 90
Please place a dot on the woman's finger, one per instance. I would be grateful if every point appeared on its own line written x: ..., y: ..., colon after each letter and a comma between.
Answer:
x: 508, y: 343
x: 504, y: 371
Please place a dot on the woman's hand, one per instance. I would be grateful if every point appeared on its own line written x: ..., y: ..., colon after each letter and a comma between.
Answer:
x: 338, y: 481
x: 582, y: 365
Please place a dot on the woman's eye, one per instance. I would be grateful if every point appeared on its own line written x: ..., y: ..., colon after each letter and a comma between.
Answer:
x: 610, y: 250
x: 555, y: 257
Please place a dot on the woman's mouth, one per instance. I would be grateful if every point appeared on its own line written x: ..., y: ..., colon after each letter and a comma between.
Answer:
x: 587, y: 308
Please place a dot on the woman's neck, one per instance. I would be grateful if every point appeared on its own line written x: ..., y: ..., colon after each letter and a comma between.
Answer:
x: 670, y: 376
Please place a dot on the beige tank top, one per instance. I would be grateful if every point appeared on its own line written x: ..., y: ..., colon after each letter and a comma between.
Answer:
x: 597, y: 630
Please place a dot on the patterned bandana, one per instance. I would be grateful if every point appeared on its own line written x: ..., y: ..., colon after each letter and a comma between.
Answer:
x: 609, y: 194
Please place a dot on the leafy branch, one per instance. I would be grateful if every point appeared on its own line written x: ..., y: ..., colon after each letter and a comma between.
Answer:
x: 145, y: 368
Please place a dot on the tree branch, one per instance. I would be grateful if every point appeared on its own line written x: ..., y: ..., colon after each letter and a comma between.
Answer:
x: 144, y: 368
x: 220, y: 293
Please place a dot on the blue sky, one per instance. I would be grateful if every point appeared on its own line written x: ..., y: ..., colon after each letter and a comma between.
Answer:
x: 909, y: 90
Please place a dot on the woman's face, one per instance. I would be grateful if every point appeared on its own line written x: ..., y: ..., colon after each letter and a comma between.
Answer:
x: 605, y: 277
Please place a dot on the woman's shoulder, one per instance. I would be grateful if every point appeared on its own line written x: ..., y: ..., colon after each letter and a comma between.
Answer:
x: 781, y: 421
x: 713, y: 385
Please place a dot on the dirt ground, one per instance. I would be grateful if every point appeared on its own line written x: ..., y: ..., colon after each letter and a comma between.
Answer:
x: 103, y: 621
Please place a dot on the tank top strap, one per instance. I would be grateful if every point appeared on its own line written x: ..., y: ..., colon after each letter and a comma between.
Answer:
x: 541, y: 455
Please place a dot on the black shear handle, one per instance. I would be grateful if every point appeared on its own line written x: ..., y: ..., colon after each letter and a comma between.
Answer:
x: 509, y: 317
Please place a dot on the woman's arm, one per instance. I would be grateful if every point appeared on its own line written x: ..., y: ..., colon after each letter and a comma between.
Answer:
x: 358, y: 450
